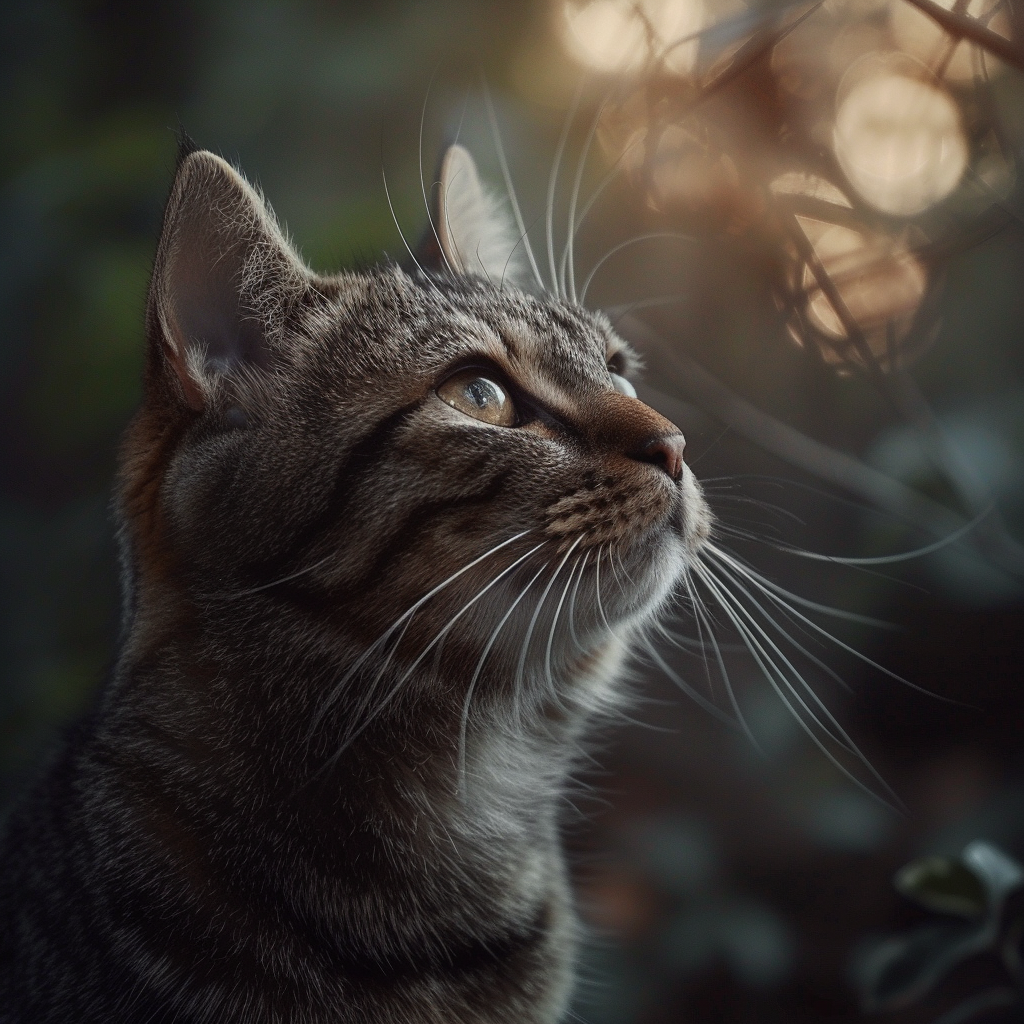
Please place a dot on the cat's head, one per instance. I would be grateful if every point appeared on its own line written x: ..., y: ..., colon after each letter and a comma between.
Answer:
x: 340, y: 450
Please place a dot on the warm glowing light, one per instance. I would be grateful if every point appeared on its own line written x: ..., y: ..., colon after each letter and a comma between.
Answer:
x: 921, y: 37
x: 613, y: 36
x: 879, y: 281
x: 900, y: 142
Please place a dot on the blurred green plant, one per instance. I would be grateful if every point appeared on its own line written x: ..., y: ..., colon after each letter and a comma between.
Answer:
x: 980, y: 895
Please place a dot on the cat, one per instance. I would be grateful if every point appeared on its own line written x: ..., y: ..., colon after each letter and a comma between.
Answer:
x: 387, y: 538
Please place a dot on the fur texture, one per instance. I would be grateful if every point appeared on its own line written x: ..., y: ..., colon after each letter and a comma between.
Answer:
x: 364, y: 632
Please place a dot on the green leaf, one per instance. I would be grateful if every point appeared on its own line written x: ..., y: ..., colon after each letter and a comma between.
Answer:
x: 943, y: 885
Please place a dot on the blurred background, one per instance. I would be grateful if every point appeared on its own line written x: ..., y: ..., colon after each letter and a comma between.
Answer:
x: 808, y: 217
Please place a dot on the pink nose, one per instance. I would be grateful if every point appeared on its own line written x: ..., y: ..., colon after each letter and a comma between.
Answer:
x: 666, y: 452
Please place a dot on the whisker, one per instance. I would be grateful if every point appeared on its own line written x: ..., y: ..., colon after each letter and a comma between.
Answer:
x: 743, y: 499
x: 597, y: 586
x: 782, y: 685
x: 618, y: 555
x: 695, y: 646
x: 695, y: 695
x: 616, y: 167
x: 509, y: 187
x: 536, y: 613
x: 701, y: 612
x: 451, y: 234
x: 647, y: 236
x: 337, y: 689
x: 700, y: 633
x: 903, y: 556
x: 568, y: 253
x: 731, y: 604
x: 464, y: 722
x: 423, y: 186
x: 554, y: 625
x: 405, y: 241
x: 523, y: 238
x: 441, y: 634
x: 552, y: 186
x: 768, y: 592
x: 748, y: 571
x: 737, y: 581
x: 572, y: 603
x: 233, y: 594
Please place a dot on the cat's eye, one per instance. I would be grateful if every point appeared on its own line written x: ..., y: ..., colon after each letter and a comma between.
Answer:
x: 480, y: 397
x: 617, y: 367
x: 623, y: 386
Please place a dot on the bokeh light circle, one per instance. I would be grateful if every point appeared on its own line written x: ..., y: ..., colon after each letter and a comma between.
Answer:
x: 900, y: 142
x: 617, y: 36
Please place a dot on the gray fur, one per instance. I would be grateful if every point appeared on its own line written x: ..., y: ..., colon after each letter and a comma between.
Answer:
x: 294, y: 800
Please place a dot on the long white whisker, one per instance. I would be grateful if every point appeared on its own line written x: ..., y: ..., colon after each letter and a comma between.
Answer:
x: 782, y: 684
x: 622, y: 245
x: 569, y: 254
x: 572, y: 603
x: 748, y: 571
x: 903, y: 556
x: 451, y: 234
x: 597, y: 588
x: 232, y: 594
x: 554, y: 625
x: 702, y: 614
x: 695, y: 695
x: 697, y: 646
x: 423, y: 186
x: 700, y: 632
x: 405, y: 241
x: 549, y: 220
x: 618, y: 555
x: 441, y: 634
x: 738, y: 582
x: 768, y: 592
x: 404, y: 617
x: 509, y: 187
x: 536, y: 613
x: 616, y: 167
x: 464, y: 723
x: 750, y: 632
x: 773, y: 674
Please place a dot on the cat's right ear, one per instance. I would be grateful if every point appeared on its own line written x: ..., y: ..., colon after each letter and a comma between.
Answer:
x: 470, y: 230
x: 223, y: 273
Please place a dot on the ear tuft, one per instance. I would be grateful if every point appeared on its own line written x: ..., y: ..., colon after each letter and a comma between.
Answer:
x: 222, y: 278
x: 186, y: 146
x: 474, y: 231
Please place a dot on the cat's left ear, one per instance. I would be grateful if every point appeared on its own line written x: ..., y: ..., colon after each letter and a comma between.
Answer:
x: 471, y: 231
x: 224, y: 276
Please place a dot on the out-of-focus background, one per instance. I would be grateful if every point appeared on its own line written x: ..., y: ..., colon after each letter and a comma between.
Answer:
x: 809, y: 219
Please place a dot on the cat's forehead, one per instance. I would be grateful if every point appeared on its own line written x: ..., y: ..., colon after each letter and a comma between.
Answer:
x: 467, y: 315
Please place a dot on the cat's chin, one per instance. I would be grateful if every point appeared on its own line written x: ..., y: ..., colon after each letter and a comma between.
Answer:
x: 648, y: 581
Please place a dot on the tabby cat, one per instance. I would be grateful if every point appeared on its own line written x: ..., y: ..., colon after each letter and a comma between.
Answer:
x: 387, y: 537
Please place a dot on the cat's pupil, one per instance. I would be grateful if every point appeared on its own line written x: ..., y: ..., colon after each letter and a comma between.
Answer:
x: 484, y: 393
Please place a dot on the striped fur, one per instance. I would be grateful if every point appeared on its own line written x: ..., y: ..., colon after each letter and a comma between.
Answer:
x: 296, y: 799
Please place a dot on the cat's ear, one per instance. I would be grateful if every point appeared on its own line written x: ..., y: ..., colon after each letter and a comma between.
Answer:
x: 471, y: 231
x: 222, y: 276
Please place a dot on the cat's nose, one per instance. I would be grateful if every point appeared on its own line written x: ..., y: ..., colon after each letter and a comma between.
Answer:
x: 666, y: 452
